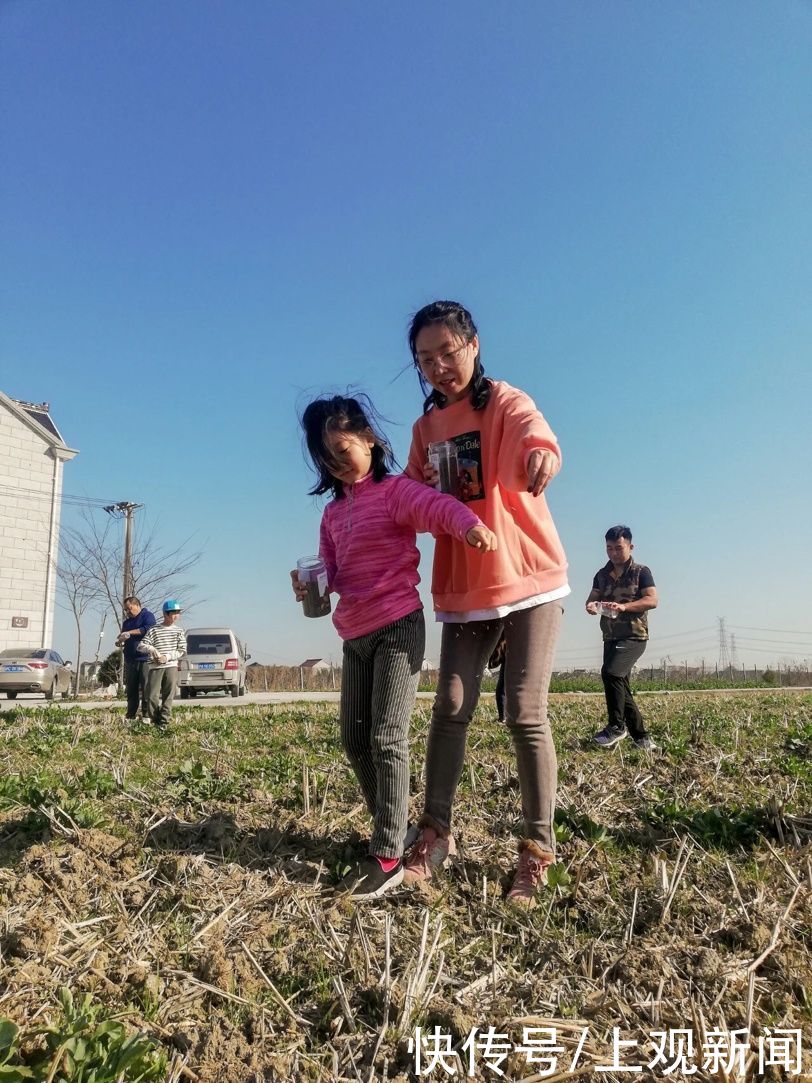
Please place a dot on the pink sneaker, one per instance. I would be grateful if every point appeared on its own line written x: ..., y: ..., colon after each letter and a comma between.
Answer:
x: 530, y: 875
x: 428, y: 853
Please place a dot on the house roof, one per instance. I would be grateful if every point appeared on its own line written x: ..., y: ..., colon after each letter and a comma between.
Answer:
x: 310, y: 662
x: 37, y: 415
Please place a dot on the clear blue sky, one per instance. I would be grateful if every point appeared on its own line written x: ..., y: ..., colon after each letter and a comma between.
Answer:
x: 213, y: 210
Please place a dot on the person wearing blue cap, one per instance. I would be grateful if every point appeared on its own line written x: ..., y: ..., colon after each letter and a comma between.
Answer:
x: 165, y: 645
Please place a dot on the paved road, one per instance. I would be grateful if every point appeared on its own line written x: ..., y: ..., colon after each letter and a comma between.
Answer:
x: 258, y: 698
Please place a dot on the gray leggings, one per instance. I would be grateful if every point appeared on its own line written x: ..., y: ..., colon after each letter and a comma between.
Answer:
x: 378, y: 686
x: 531, y: 636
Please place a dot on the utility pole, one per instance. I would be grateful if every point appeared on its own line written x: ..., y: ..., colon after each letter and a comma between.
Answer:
x: 126, y: 508
x: 128, y: 548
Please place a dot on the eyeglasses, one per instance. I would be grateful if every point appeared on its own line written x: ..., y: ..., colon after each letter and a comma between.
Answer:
x: 450, y: 357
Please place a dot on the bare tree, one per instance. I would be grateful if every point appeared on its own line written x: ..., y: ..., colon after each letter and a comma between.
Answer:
x: 77, y: 589
x: 156, y: 569
x: 94, y: 555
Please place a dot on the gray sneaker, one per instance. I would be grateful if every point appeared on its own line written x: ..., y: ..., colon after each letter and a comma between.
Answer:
x: 610, y: 736
x: 644, y: 742
x: 367, y: 880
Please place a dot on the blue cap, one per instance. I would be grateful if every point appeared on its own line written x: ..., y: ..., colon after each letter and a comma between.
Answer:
x: 171, y: 605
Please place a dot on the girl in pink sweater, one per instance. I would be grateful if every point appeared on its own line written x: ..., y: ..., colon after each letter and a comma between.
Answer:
x: 368, y: 543
x: 506, y: 455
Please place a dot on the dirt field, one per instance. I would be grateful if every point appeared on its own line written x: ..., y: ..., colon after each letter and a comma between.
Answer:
x: 167, y: 914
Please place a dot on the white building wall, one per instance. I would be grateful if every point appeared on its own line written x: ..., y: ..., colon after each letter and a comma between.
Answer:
x: 30, y: 486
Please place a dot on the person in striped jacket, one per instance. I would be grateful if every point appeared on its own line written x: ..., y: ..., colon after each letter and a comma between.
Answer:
x: 165, y: 645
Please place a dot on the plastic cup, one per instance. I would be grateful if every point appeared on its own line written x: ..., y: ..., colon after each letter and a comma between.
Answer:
x: 313, y: 573
x: 610, y: 614
x: 443, y: 457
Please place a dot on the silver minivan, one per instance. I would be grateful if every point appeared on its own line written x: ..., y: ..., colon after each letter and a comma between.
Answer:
x: 214, y: 662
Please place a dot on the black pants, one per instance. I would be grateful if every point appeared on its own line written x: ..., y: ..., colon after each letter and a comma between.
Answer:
x: 619, y: 657
x: 500, y: 693
x: 135, y: 684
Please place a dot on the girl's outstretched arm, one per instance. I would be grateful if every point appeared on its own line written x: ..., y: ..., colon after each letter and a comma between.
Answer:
x: 427, y: 511
x: 529, y: 455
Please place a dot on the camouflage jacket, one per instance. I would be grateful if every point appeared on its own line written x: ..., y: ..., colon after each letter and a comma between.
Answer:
x: 628, y: 587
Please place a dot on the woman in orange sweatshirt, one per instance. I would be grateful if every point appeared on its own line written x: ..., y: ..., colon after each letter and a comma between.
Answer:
x: 498, y: 454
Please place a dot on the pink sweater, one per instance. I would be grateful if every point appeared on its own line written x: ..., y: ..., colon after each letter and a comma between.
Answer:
x: 368, y: 542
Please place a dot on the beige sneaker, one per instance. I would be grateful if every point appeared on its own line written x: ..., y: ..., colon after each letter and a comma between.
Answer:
x: 428, y: 853
x: 531, y: 873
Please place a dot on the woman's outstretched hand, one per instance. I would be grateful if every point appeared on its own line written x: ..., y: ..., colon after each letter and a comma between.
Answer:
x: 540, y: 468
x: 479, y: 537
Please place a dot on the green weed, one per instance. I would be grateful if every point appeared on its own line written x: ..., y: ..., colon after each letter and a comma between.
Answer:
x: 83, y: 1046
x: 195, y: 781
x: 557, y: 877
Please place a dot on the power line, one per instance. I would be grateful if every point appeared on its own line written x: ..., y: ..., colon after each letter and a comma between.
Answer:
x: 779, y: 642
x: 777, y: 631
x: 692, y: 632
x: 790, y: 654
x: 68, y: 498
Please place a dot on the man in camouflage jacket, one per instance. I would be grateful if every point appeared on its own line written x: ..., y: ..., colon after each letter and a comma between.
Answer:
x: 623, y: 592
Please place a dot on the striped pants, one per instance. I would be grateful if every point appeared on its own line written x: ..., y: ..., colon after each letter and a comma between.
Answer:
x: 378, y: 687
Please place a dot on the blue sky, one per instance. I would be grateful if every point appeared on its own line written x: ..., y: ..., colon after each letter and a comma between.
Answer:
x: 213, y: 211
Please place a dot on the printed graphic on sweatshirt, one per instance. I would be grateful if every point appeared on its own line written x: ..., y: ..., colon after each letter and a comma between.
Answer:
x: 458, y: 462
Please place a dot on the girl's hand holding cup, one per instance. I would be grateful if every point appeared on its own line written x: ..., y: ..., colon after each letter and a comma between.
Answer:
x: 479, y: 537
x: 310, y: 586
x: 430, y: 474
x: 299, y: 588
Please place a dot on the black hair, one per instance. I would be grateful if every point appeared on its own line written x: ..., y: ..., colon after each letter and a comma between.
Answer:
x: 132, y: 598
x: 615, y: 533
x: 460, y: 322
x: 342, y: 414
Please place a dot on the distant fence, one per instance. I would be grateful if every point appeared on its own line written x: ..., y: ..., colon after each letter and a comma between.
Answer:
x: 646, y: 678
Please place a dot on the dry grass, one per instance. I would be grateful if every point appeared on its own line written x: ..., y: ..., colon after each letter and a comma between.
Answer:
x: 184, y: 882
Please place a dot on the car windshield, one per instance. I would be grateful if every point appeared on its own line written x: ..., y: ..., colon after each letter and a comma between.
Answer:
x: 213, y: 643
x: 22, y: 652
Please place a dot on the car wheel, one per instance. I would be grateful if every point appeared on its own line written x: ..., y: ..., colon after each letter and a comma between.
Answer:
x: 11, y: 695
x: 192, y: 693
x: 242, y: 690
x: 235, y: 691
x: 184, y: 693
x: 49, y: 692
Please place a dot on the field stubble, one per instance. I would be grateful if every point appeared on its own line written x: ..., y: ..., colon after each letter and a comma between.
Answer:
x: 177, y: 888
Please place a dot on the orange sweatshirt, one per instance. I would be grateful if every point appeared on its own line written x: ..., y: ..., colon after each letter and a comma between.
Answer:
x: 493, y: 448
